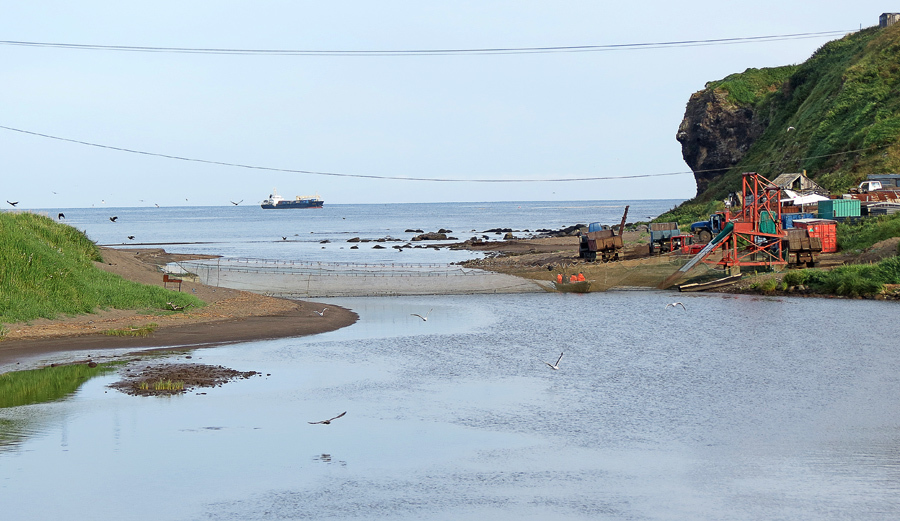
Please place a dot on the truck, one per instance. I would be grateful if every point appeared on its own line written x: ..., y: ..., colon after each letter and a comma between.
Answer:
x: 704, y: 231
x: 868, y: 186
x: 603, y: 240
x: 661, y: 237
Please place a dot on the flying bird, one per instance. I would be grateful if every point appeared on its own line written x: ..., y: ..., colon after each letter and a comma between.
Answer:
x: 113, y: 218
x: 420, y: 316
x: 790, y: 129
x: 12, y: 203
x: 321, y: 313
x: 676, y: 304
x: 237, y: 203
x: 61, y: 216
x: 328, y: 421
x: 131, y: 237
x: 556, y: 365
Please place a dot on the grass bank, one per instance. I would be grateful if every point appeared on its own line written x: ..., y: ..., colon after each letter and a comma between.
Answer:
x: 46, y: 270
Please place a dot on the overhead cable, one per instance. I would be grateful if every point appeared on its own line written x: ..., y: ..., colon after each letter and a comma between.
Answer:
x: 430, y: 179
x: 429, y: 52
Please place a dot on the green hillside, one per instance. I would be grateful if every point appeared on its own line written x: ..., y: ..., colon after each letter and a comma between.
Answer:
x: 46, y: 270
x: 836, y: 116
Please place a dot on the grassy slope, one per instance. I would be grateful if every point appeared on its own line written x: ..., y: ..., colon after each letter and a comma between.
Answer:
x: 844, y: 105
x: 46, y: 270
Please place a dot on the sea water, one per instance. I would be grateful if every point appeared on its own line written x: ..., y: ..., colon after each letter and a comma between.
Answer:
x: 248, y: 231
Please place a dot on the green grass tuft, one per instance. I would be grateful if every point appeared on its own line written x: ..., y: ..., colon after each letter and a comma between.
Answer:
x: 133, y: 331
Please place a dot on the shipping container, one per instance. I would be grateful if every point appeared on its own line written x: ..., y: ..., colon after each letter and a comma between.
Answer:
x: 824, y: 229
x: 839, y: 208
x: 767, y: 222
x: 787, y: 221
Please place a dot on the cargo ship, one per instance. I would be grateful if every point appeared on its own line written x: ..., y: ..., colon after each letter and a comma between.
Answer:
x: 275, y: 201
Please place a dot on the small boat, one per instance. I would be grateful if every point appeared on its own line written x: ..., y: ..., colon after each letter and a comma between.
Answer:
x: 581, y: 286
x: 712, y: 284
x: 275, y: 201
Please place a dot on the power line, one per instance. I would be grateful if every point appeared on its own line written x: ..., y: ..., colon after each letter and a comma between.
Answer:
x: 429, y: 52
x: 430, y: 179
x: 336, y: 174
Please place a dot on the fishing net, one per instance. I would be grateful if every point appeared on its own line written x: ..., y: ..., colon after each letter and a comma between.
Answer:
x: 295, y: 279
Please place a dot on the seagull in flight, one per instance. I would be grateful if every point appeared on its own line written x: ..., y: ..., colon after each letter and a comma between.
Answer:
x: 425, y: 318
x: 12, y: 203
x: 554, y: 366
x: 131, y: 237
x: 328, y: 421
x: 676, y: 304
x: 237, y: 203
x: 320, y: 313
x: 113, y: 218
x: 61, y: 216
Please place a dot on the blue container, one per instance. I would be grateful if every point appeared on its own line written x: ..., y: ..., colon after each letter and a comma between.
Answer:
x: 787, y: 219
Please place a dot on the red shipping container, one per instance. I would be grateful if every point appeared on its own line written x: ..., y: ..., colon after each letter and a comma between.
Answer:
x: 824, y: 229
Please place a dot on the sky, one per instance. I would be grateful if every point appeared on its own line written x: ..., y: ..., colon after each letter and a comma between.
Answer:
x: 475, y: 127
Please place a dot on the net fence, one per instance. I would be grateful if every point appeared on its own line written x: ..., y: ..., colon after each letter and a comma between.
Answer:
x: 299, y: 279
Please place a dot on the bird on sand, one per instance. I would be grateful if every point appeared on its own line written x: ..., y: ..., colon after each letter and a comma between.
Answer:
x: 320, y: 313
x: 237, y: 203
x: 556, y: 365
x: 12, y: 203
x: 425, y: 318
x: 113, y: 218
x: 328, y: 421
x: 676, y: 304
x: 61, y: 216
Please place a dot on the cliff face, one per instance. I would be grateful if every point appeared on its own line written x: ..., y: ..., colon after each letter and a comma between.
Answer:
x: 715, y: 134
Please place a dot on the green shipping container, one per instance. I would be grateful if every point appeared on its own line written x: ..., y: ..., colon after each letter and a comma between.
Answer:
x: 839, y: 208
x: 767, y: 222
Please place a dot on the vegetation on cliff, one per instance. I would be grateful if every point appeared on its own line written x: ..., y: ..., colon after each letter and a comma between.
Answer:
x: 836, y: 116
x: 46, y: 270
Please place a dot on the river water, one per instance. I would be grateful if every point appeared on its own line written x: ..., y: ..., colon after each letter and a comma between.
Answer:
x: 737, y: 408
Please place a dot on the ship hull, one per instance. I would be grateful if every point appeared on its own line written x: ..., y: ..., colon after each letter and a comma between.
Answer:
x: 293, y: 204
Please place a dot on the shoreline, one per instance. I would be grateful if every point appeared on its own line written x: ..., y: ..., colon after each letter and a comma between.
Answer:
x: 230, y: 316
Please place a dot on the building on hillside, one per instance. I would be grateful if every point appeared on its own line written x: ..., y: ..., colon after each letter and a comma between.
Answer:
x: 799, y: 183
x: 887, y: 19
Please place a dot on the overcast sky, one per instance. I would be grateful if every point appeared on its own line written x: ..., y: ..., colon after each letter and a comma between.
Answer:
x: 459, y: 117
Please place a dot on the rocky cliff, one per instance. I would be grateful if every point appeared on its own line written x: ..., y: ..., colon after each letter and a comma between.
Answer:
x: 715, y: 134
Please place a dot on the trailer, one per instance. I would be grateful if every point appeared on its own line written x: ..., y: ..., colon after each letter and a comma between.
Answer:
x: 606, y: 243
x: 801, y: 249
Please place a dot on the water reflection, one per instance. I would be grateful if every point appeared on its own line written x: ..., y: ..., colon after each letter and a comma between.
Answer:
x: 736, y: 408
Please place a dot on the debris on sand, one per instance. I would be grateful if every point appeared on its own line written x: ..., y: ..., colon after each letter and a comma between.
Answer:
x: 169, y: 378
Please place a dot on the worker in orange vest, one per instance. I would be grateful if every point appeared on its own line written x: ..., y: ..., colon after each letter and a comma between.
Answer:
x: 573, y: 278
x: 559, y: 278
x: 581, y: 276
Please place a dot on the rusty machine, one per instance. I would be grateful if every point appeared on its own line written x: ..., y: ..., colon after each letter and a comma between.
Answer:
x: 605, y: 242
